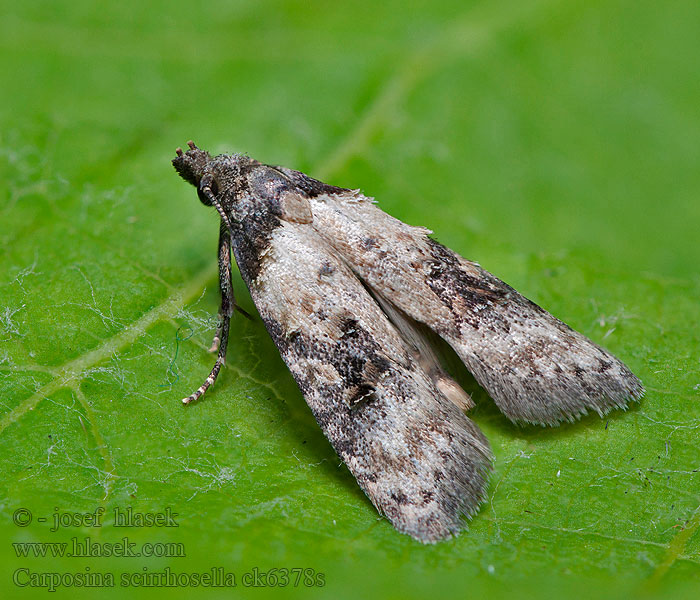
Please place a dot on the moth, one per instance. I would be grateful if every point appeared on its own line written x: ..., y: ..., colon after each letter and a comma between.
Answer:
x: 351, y: 296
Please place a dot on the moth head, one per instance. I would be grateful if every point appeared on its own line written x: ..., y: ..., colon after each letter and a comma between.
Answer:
x: 191, y: 165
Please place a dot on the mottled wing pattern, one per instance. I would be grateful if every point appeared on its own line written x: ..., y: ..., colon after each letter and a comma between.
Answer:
x: 535, y: 367
x: 419, y: 459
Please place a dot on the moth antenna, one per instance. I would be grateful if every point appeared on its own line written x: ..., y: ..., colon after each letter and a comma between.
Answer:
x: 206, y: 190
x: 192, y: 145
x: 178, y: 151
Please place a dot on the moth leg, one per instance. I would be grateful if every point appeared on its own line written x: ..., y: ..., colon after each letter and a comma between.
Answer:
x: 227, y: 299
x: 228, y: 304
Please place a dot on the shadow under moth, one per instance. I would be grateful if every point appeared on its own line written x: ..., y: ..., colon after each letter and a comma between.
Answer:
x: 350, y: 295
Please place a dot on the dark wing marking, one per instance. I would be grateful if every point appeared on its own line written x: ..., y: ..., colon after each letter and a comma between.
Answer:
x: 536, y: 368
x: 418, y: 458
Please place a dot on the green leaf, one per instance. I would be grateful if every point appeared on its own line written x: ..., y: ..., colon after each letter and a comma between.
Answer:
x: 557, y: 143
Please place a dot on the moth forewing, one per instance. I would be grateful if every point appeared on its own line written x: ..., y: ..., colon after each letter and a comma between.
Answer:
x: 535, y: 367
x: 419, y: 459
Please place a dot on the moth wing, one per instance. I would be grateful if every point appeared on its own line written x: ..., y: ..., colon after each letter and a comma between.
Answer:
x: 535, y: 367
x: 418, y: 458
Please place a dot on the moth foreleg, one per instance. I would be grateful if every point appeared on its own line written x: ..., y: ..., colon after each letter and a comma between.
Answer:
x: 228, y: 304
x: 227, y: 299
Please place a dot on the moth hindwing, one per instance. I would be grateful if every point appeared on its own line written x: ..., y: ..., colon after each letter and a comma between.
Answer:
x: 347, y: 293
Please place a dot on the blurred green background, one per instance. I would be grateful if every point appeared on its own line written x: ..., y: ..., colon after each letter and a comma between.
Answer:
x: 557, y: 143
